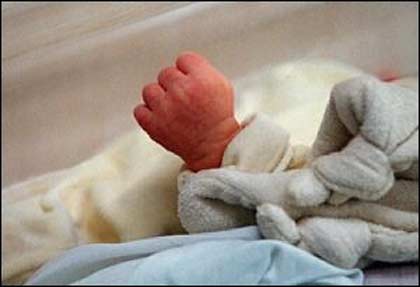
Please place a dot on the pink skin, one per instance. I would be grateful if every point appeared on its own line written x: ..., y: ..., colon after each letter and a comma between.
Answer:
x: 189, y: 111
x: 388, y: 76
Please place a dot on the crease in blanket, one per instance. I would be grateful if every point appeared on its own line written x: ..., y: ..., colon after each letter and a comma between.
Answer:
x: 109, y: 198
x: 236, y: 256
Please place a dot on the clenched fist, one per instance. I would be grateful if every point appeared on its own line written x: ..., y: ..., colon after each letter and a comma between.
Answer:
x: 189, y: 111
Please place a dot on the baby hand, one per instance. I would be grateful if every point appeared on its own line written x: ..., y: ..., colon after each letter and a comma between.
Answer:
x: 190, y: 112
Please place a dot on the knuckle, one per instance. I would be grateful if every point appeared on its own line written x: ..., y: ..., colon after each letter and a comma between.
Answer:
x: 148, y: 89
x: 166, y: 71
x: 183, y: 58
x: 142, y: 115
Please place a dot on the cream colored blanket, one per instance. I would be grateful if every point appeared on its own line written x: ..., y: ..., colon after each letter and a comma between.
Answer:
x: 129, y: 190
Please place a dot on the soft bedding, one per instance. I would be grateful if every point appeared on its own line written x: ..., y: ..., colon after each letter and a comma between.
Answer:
x: 236, y: 256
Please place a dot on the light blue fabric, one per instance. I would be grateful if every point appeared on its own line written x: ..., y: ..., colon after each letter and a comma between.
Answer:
x: 237, y: 256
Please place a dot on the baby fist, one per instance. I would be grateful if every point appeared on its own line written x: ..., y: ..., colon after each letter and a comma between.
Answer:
x: 189, y: 111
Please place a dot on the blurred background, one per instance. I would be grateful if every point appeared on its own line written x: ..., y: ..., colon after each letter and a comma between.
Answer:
x: 73, y: 72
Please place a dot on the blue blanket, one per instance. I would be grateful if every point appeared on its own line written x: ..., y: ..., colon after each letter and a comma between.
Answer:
x: 237, y: 256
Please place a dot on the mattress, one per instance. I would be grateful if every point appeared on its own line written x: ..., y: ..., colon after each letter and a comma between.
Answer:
x: 392, y: 274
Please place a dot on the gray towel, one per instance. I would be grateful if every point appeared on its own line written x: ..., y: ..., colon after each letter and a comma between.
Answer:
x: 354, y: 201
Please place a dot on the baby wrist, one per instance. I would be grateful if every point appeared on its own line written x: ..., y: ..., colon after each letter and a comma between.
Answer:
x: 209, y: 153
